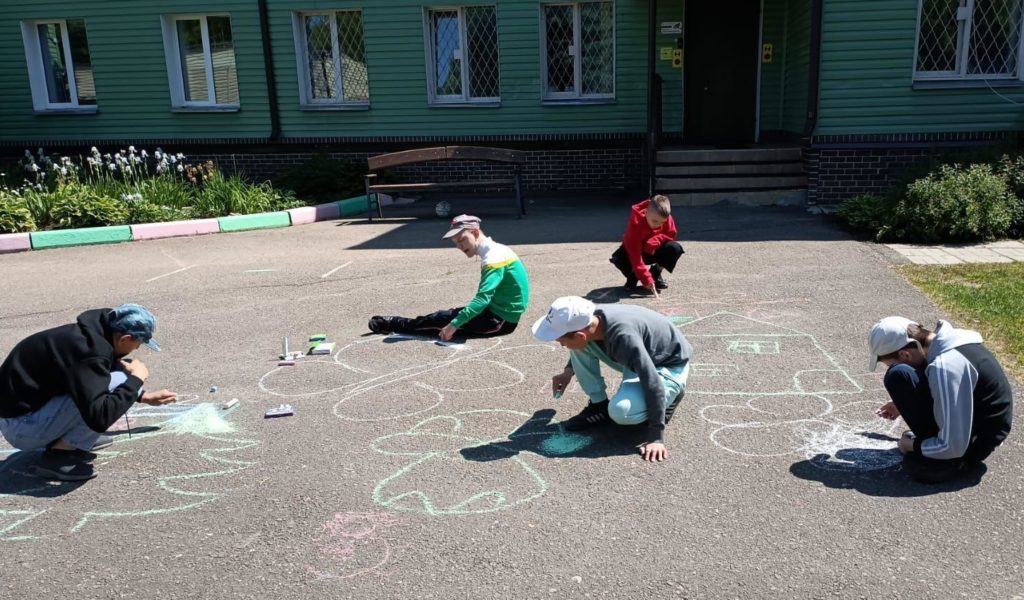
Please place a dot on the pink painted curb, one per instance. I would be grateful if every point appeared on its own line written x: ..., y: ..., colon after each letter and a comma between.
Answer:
x: 15, y: 242
x: 152, y: 231
x: 312, y: 214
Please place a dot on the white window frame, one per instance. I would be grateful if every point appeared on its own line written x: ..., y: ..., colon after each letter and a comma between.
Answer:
x: 433, y: 98
x: 172, y: 53
x: 578, y: 95
x: 965, y: 17
x: 306, y: 99
x: 37, y: 71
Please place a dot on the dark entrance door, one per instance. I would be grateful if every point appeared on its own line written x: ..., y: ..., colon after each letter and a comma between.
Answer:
x: 720, y: 71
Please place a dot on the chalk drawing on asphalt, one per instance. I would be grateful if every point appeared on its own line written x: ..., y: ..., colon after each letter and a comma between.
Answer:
x: 196, y: 439
x: 352, y: 545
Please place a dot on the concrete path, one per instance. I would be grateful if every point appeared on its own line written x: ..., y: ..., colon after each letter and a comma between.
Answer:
x: 994, y: 252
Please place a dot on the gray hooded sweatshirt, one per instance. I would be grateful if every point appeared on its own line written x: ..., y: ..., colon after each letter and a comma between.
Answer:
x: 971, y: 395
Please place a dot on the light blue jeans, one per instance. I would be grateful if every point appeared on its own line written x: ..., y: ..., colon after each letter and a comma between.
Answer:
x: 628, y: 406
x: 58, y: 419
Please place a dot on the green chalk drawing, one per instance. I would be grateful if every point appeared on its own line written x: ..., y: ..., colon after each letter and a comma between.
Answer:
x: 678, y: 320
x: 754, y: 346
x: 203, y: 421
x: 406, y: 489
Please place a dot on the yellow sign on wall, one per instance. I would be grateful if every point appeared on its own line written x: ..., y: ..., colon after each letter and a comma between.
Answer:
x: 767, y: 51
x: 666, y: 53
x: 677, y: 58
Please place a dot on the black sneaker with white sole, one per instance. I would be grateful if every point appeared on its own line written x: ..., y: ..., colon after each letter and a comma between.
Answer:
x: 65, y: 465
x: 596, y: 413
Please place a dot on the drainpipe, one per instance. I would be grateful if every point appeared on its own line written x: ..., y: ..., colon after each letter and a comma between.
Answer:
x: 652, y: 135
x: 268, y: 66
x: 814, y: 69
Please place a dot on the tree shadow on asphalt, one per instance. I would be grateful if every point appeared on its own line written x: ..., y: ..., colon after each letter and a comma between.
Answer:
x: 539, y: 435
x: 16, y: 478
x: 893, y: 482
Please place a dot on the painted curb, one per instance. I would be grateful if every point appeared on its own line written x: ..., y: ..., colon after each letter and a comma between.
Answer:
x: 313, y: 214
x: 80, y: 237
x: 153, y: 231
x: 15, y: 242
x: 257, y: 221
x: 353, y: 206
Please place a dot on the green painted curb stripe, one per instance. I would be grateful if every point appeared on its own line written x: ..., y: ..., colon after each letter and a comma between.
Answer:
x: 257, y: 221
x: 81, y: 237
x: 353, y: 206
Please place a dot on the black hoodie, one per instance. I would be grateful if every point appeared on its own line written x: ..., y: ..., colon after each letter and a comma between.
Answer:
x: 74, y: 360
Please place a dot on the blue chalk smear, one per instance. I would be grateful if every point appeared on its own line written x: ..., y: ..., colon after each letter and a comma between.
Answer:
x: 565, y: 443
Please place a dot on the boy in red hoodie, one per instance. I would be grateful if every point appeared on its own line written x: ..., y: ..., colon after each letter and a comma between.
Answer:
x: 648, y: 245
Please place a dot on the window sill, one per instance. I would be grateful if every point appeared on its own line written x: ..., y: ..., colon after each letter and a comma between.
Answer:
x: 80, y: 110
x: 333, y: 107
x: 226, y: 108
x: 963, y: 84
x: 485, y: 104
x: 576, y: 101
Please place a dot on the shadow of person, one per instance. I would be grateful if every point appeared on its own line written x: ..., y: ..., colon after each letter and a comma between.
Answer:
x: 17, y: 478
x: 541, y: 436
x: 858, y: 469
x: 612, y: 294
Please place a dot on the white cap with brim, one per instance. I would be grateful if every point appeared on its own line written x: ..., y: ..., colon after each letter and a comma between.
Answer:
x: 888, y: 336
x: 462, y: 223
x: 567, y: 314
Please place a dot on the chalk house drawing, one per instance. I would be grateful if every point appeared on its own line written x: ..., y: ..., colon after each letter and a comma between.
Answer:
x: 819, y: 412
x: 210, y: 449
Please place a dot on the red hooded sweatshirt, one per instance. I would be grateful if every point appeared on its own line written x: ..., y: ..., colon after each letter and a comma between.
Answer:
x: 640, y: 239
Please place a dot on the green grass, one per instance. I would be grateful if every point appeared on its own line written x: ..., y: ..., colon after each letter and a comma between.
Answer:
x: 988, y: 298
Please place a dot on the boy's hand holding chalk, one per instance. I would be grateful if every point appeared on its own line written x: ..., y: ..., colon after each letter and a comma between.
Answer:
x: 560, y: 382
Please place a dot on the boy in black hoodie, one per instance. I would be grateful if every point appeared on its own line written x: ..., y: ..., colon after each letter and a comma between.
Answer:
x: 949, y: 389
x: 60, y: 389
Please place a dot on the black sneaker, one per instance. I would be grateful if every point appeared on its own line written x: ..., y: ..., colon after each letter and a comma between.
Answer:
x: 380, y: 324
x: 631, y: 283
x: 671, y: 408
x: 104, y: 441
x: 659, y: 284
x: 65, y: 465
x: 593, y: 415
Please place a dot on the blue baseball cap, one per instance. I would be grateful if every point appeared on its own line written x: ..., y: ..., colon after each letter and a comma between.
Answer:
x: 136, y: 321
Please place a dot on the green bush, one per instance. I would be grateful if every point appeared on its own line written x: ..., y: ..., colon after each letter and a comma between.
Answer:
x: 324, y: 178
x: 14, y: 214
x: 866, y: 212
x: 76, y: 205
x: 1012, y: 168
x: 953, y: 204
x: 221, y: 196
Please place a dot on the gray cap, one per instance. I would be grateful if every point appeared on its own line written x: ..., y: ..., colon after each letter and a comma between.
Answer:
x: 462, y: 223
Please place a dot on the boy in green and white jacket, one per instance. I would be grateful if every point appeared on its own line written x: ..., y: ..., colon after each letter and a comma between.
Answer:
x: 500, y: 300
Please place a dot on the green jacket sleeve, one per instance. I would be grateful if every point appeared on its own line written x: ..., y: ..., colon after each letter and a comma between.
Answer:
x: 489, y: 280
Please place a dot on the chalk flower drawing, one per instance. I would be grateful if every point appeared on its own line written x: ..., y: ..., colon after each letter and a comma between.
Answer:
x: 28, y: 510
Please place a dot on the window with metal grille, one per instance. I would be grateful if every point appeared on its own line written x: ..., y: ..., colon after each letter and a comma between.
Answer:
x: 332, y: 58
x: 60, y: 68
x: 200, y: 57
x: 462, y: 46
x: 969, y: 39
x: 579, y: 50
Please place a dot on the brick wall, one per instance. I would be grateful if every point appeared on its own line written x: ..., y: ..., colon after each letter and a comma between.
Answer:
x: 545, y: 170
x: 840, y: 167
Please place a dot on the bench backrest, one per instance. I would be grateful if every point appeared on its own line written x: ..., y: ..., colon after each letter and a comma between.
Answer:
x: 408, y: 157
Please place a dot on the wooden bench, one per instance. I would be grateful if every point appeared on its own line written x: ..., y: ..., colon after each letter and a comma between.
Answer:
x: 410, y: 157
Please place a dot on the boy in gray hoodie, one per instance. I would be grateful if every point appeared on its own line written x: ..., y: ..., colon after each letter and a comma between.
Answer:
x: 949, y: 389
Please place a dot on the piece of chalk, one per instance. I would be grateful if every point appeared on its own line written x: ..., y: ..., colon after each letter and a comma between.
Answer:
x: 286, y: 363
x: 213, y: 389
x: 558, y: 394
x: 229, y: 403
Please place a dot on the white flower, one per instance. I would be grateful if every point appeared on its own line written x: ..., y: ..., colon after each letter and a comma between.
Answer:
x: 159, y: 153
x: 113, y: 166
x: 63, y: 171
x: 144, y: 154
x: 34, y: 168
x: 131, y: 149
x: 39, y: 187
x: 181, y: 169
x: 181, y: 156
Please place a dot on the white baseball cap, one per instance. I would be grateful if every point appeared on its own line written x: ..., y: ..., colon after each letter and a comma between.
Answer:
x: 567, y: 314
x: 888, y: 336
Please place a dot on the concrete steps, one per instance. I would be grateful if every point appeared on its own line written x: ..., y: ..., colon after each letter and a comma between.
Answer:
x: 758, y: 176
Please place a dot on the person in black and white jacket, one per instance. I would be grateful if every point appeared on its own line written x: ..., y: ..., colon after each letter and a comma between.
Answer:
x: 949, y: 389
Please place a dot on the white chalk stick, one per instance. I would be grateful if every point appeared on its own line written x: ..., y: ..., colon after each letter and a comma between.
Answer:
x: 230, y: 403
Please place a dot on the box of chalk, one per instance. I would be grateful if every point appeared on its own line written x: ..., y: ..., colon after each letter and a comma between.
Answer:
x: 285, y: 410
x: 318, y: 337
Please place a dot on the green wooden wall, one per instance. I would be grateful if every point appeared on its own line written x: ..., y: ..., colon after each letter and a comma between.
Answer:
x: 787, y: 26
x: 867, y: 65
x: 672, y: 78
x: 126, y: 43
